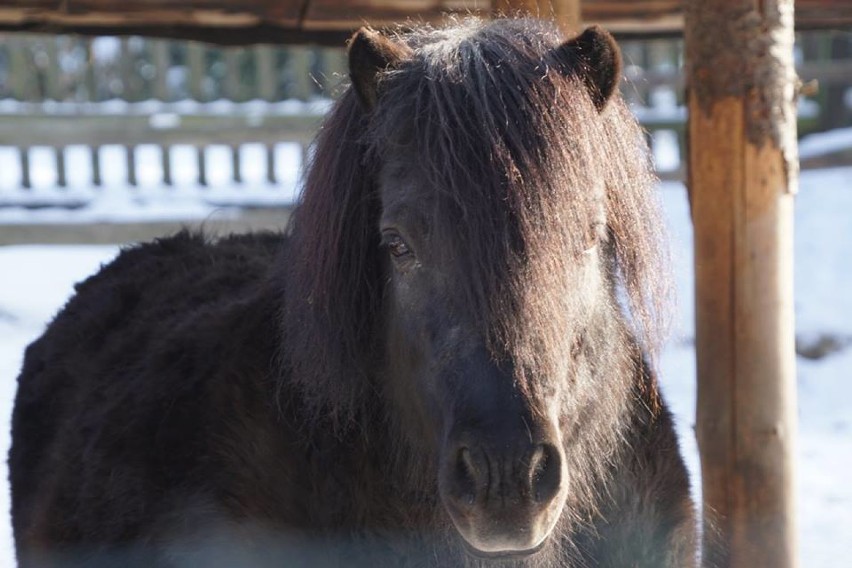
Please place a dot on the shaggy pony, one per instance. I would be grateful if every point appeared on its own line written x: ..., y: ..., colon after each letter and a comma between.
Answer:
x: 448, y: 361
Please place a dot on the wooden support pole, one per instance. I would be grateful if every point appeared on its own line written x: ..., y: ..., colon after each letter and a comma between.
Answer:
x: 566, y: 13
x: 742, y: 180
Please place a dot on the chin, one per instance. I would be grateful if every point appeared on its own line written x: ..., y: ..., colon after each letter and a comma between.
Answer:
x: 498, y: 555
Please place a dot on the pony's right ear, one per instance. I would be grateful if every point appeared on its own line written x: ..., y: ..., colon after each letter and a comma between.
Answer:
x: 370, y: 53
x: 595, y: 57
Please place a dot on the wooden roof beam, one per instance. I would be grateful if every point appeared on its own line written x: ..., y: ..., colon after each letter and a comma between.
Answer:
x: 329, y: 22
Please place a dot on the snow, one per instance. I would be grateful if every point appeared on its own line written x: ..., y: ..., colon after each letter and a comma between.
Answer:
x: 822, y: 143
x: 36, y: 280
x: 666, y: 150
x: 823, y: 308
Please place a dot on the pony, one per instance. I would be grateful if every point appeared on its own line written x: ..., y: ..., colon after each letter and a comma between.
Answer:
x: 447, y: 360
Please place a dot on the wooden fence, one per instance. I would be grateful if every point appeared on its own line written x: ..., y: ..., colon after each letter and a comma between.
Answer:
x: 59, y: 125
x: 63, y: 91
x: 58, y: 91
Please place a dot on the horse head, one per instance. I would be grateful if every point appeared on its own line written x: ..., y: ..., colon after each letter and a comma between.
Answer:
x: 492, y: 228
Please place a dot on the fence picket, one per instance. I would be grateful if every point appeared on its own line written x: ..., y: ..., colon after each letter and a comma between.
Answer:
x: 61, y: 173
x: 95, y: 155
x: 21, y: 78
x: 161, y: 61
x: 131, y: 82
x: 266, y: 72
x: 195, y: 58
x: 53, y: 82
x: 234, y: 92
x: 91, y: 75
x: 130, y: 164
x: 24, y: 155
x: 334, y: 69
x: 299, y: 72
x: 236, y: 167
x: 52, y: 90
x: 201, y: 161
x: 267, y: 85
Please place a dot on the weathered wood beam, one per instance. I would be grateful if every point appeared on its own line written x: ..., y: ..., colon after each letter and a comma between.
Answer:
x: 742, y: 179
x: 330, y: 21
x: 230, y: 36
x: 216, y: 13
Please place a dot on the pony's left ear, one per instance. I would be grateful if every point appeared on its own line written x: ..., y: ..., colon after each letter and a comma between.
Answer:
x: 596, y: 58
x: 370, y: 53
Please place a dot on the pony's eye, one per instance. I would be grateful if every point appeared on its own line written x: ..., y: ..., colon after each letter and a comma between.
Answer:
x: 396, y: 245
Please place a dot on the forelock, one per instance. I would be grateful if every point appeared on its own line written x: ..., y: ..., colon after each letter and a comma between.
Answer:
x: 517, y: 163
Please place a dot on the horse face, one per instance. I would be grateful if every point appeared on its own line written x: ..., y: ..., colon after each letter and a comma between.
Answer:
x: 489, y: 383
x: 501, y: 463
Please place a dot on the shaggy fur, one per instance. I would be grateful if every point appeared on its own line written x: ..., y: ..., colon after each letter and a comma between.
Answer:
x: 238, y: 402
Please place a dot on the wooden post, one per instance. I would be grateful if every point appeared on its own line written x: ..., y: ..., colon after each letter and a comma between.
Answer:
x: 742, y: 179
x: 566, y: 13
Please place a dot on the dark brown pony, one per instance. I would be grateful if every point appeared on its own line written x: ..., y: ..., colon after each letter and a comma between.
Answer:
x: 449, y: 361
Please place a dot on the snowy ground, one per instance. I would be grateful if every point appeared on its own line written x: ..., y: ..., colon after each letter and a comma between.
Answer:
x: 35, y: 281
x: 823, y: 281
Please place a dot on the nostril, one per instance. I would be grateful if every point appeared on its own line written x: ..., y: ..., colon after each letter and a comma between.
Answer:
x: 465, y: 471
x: 545, y: 472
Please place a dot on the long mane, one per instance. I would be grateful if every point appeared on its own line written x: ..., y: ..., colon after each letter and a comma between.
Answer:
x: 523, y: 166
x: 334, y: 277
